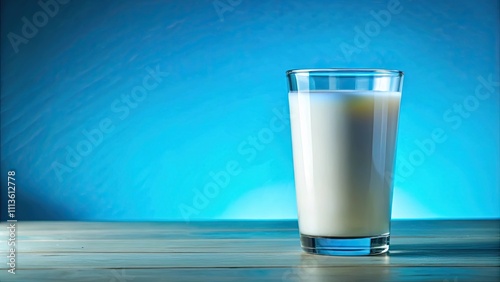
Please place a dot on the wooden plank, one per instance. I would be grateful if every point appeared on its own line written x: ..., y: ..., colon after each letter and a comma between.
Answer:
x: 121, y: 237
x: 226, y: 230
x: 310, y: 274
x: 230, y: 246
x: 403, y: 226
x: 245, y: 251
x: 450, y: 258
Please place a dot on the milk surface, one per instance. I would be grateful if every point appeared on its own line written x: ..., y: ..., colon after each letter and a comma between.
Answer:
x: 343, y: 151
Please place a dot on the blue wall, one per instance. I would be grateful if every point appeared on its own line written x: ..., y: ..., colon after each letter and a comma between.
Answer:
x: 172, y: 110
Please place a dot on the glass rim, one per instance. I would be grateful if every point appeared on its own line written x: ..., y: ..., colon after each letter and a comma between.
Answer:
x: 347, y: 71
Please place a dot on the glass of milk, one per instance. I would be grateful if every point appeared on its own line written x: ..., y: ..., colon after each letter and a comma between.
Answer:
x: 344, y: 127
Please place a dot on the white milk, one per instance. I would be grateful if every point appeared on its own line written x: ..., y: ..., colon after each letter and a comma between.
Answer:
x: 343, y: 150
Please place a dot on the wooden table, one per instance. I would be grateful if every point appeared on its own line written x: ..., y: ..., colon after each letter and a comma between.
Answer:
x: 243, y: 251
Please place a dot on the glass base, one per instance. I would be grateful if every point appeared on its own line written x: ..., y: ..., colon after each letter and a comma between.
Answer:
x: 345, y: 246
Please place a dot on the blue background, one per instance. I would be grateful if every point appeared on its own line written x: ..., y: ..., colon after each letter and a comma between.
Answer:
x: 217, y: 104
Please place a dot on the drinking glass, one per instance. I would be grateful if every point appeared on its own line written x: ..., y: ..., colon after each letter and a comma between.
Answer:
x: 344, y: 126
